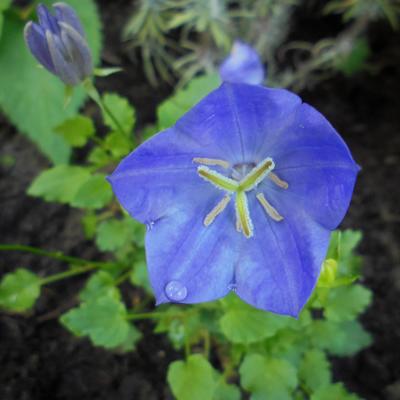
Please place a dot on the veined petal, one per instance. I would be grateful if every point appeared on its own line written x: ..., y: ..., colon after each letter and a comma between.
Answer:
x: 314, y: 160
x: 67, y: 14
x: 36, y: 41
x: 280, y: 266
x: 149, y: 182
x: 234, y: 120
x: 189, y: 262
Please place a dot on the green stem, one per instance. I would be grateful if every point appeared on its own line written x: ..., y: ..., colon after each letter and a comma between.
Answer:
x: 95, y: 96
x: 150, y: 315
x: 66, y: 274
x: 207, y: 343
x: 56, y: 255
x: 123, y: 277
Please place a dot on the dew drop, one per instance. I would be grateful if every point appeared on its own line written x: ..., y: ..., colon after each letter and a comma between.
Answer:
x: 176, y: 291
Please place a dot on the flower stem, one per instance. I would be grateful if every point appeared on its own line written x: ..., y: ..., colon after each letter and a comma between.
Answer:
x: 95, y: 96
x: 149, y: 315
x: 56, y: 255
x: 66, y: 274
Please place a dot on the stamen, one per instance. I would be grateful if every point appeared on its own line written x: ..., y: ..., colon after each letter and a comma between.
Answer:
x: 218, y: 180
x: 211, y: 161
x: 243, y: 214
x: 210, y: 217
x: 278, y: 181
x: 271, y: 211
x: 256, y: 175
x: 238, y: 226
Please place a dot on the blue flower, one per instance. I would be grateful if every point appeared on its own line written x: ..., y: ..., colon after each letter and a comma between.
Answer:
x: 240, y: 194
x: 58, y: 42
x: 242, y: 66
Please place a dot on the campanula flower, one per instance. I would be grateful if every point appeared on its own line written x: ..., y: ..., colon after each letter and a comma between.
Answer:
x: 242, y: 66
x: 58, y: 42
x: 240, y: 194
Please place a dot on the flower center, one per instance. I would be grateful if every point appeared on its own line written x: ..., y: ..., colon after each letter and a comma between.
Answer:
x: 243, y: 178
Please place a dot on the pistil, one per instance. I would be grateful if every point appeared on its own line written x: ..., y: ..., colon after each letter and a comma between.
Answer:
x: 239, y: 188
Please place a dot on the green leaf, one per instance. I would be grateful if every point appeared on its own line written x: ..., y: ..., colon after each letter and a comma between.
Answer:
x: 89, y: 224
x: 242, y: 323
x: 103, y: 72
x: 114, y: 234
x: 225, y: 391
x: 346, y: 302
x: 268, y: 378
x: 345, y: 338
x: 60, y: 183
x: 100, y: 284
x: 31, y: 97
x: 342, y: 249
x: 314, y: 370
x: 118, y: 144
x: 333, y: 392
x: 140, y: 276
x: 182, y: 101
x: 192, y: 379
x: 76, y: 131
x: 121, y: 109
x: 99, y: 157
x: 1, y: 23
x: 250, y: 325
x: 95, y: 193
x: 4, y: 4
x: 19, y: 290
x: 103, y: 320
x: 134, y: 335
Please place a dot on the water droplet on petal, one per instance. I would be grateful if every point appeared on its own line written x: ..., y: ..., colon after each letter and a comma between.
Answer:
x: 176, y: 291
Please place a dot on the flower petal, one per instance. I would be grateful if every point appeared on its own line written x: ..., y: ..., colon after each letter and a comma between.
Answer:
x: 78, y: 50
x: 46, y: 20
x: 234, y: 120
x: 150, y: 182
x: 242, y: 66
x: 67, y: 14
x: 312, y: 158
x: 280, y: 265
x: 36, y: 41
x: 188, y: 262
x: 65, y: 70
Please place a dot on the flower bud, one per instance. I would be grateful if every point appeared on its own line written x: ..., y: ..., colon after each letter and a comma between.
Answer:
x: 58, y: 42
x: 243, y: 65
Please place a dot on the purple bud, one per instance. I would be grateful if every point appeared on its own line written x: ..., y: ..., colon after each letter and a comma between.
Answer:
x: 243, y: 65
x: 58, y: 42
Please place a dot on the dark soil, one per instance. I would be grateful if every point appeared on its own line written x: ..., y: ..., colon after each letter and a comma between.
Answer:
x: 41, y: 361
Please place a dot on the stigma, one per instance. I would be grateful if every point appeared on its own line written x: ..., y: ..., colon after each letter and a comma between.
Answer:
x: 243, y: 180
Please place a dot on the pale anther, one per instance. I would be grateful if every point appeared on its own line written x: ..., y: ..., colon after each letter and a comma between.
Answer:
x: 278, y: 181
x: 211, y: 162
x: 268, y: 208
x: 238, y: 226
x: 210, y: 217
